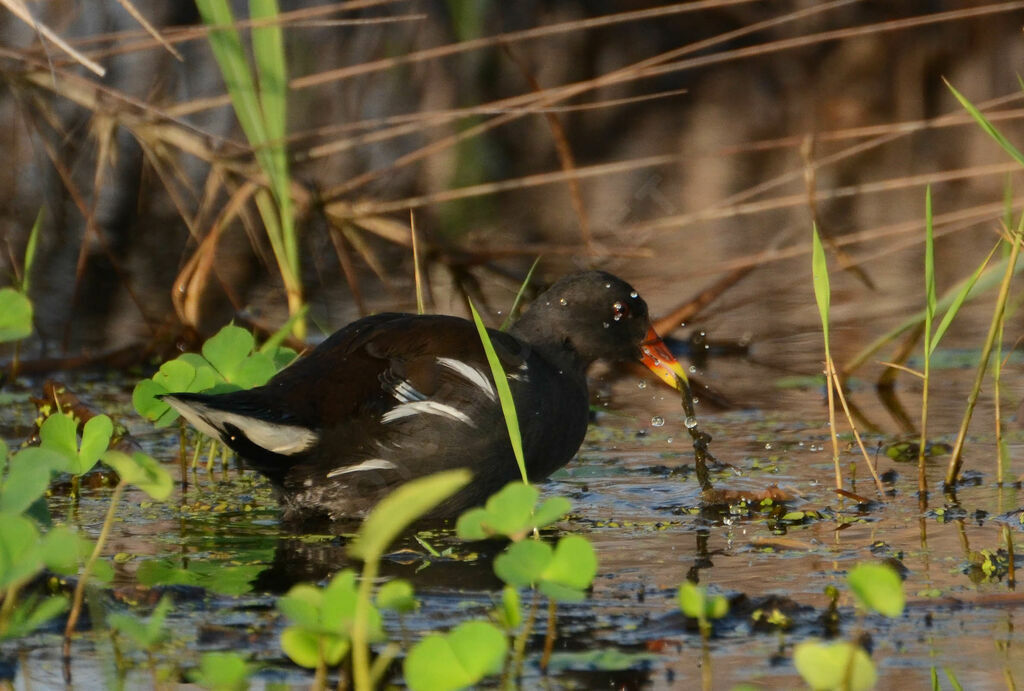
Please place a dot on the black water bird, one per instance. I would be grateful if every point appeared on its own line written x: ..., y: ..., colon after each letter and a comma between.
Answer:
x: 393, y: 397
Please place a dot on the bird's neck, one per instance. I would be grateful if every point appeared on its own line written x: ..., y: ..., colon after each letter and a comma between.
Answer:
x: 554, y: 347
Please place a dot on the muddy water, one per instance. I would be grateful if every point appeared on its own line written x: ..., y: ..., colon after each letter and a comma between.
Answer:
x: 636, y: 498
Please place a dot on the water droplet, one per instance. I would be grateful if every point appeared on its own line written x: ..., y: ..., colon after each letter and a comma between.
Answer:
x: 768, y: 446
x: 690, y: 422
x: 607, y: 285
x: 563, y: 301
x: 617, y: 309
x: 669, y: 440
x: 657, y: 421
x: 605, y: 324
x: 633, y: 294
x: 693, y: 369
x: 641, y: 384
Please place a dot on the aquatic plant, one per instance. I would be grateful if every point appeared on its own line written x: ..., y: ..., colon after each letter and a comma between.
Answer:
x: 833, y: 385
x: 222, y: 671
x: 845, y: 664
x: 1016, y: 238
x: 330, y: 623
x: 695, y: 602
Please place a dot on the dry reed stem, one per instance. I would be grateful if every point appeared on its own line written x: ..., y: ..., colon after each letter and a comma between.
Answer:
x: 150, y: 29
x: 564, y: 151
x: 551, y: 96
x: 853, y: 427
x: 347, y: 267
x: 18, y: 9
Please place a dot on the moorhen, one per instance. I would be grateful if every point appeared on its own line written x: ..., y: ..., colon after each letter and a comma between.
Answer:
x: 393, y: 397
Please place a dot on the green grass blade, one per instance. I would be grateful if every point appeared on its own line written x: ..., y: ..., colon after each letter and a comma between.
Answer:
x: 822, y: 288
x: 271, y: 66
x: 929, y: 268
x: 519, y: 296
x: 30, y: 251
x: 508, y: 404
x: 987, y: 126
x: 958, y: 300
x: 230, y: 55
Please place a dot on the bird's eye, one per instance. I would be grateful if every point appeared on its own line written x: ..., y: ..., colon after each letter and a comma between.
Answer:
x: 620, y: 310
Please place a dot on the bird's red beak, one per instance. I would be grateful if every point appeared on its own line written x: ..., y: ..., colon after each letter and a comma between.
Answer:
x: 660, y: 360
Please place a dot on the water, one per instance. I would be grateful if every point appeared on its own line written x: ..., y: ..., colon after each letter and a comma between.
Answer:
x: 636, y: 498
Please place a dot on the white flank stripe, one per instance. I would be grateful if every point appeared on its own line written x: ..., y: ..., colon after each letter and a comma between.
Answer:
x: 428, y: 407
x: 283, y: 439
x: 372, y: 464
x: 471, y: 374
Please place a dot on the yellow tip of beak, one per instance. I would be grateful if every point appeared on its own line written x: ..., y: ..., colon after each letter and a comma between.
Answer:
x: 659, y: 359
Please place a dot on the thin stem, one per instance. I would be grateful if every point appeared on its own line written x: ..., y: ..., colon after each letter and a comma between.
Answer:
x: 382, y: 661
x: 956, y: 460
x: 829, y: 369
x: 361, y: 674
x: 856, y: 434
x: 76, y: 601
x: 550, y: 634
x: 519, y: 645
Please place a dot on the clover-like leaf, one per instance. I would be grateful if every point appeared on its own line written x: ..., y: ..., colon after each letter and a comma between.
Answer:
x: 228, y: 350
x: 15, y: 315
x: 59, y: 550
x: 19, y: 549
x: 303, y: 647
x: 840, y: 665
x: 188, y: 373
x: 397, y: 596
x: 511, y: 512
x: 574, y: 563
x: 222, y: 671
x: 141, y: 470
x: 27, y: 478
x: 302, y: 605
x: 473, y: 650
x: 878, y: 588
x: 523, y: 562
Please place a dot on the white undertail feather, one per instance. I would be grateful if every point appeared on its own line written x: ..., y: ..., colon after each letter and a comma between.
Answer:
x: 286, y: 440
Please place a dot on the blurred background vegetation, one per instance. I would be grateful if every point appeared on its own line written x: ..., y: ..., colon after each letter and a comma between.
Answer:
x: 676, y: 144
